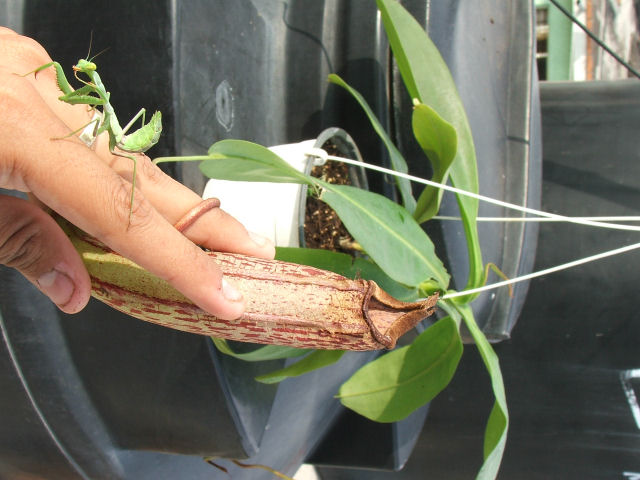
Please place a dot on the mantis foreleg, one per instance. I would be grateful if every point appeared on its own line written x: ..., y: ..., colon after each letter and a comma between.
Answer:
x: 82, y: 96
x: 61, y: 79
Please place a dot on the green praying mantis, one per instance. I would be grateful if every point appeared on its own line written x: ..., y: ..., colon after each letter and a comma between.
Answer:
x: 94, y: 94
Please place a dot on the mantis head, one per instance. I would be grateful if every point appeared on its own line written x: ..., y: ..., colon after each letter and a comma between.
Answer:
x: 84, y: 66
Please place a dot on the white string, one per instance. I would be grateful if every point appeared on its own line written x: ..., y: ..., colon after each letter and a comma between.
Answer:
x: 543, y: 219
x: 539, y: 273
x: 549, y: 217
x: 450, y: 188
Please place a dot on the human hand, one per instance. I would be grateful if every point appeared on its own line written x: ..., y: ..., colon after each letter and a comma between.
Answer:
x: 91, y: 188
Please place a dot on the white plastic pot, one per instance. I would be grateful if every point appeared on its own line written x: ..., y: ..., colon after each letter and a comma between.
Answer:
x: 276, y: 210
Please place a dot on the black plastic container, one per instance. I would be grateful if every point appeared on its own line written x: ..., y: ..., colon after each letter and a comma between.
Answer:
x: 100, y: 395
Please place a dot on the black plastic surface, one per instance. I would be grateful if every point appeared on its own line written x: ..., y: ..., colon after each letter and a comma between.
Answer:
x: 101, y: 394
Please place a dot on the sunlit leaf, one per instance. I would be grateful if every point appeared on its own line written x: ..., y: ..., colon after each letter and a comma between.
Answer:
x: 246, y: 161
x: 388, y: 233
x: 313, y: 361
x: 349, y: 267
x: 438, y: 141
x: 391, y: 387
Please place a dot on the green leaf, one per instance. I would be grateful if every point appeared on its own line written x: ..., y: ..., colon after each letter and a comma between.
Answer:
x: 394, y: 385
x: 439, y: 141
x: 428, y: 79
x: 388, y: 233
x: 496, y: 431
x: 268, y: 352
x: 313, y: 361
x: 349, y: 267
x: 340, y: 263
x: 398, y: 162
x: 366, y: 269
x: 249, y: 162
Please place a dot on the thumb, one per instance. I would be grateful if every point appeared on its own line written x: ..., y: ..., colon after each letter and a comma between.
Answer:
x: 33, y: 243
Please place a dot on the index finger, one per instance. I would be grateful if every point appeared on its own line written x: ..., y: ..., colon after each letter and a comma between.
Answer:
x: 71, y: 179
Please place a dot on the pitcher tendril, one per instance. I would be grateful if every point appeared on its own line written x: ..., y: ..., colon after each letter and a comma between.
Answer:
x: 94, y: 93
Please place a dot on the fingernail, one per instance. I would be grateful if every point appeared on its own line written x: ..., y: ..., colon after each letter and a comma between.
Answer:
x: 57, y: 286
x: 267, y: 245
x: 260, y: 240
x: 230, y: 292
